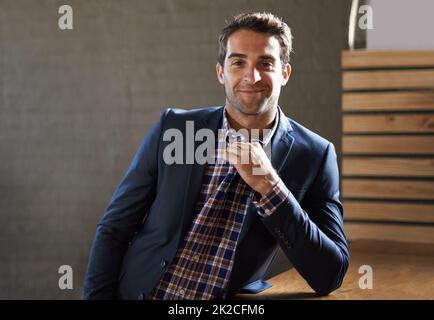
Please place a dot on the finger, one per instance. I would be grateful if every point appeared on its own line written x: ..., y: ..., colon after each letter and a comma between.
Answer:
x: 232, y: 156
x: 257, y: 144
x: 239, y: 156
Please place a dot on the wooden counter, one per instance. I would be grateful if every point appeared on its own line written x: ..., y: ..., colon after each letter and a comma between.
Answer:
x: 400, y: 271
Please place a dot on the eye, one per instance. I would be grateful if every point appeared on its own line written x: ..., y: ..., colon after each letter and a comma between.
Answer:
x: 237, y: 63
x: 268, y: 65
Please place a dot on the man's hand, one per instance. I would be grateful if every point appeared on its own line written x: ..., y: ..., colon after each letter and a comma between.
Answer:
x: 253, y: 165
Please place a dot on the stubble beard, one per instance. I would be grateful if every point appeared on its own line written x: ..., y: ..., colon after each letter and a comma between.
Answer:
x: 241, y: 108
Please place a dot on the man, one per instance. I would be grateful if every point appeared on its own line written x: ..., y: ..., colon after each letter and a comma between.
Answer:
x: 206, y: 231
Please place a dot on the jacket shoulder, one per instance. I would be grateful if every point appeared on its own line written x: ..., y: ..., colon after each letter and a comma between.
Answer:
x: 307, y: 139
x: 191, y: 114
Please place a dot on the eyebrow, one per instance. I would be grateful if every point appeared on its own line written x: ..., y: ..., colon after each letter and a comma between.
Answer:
x: 241, y: 55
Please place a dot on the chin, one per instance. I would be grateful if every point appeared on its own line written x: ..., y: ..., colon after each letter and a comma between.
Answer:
x: 254, y: 110
x: 249, y: 111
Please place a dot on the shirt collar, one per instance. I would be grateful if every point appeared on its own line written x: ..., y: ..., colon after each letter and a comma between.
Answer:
x: 230, y: 132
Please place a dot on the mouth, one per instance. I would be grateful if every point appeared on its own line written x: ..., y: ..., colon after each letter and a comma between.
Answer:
x: 250, y: 91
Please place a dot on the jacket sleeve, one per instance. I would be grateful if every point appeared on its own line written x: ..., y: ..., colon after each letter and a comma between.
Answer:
x: 122, y: 218
x: 312, y: 234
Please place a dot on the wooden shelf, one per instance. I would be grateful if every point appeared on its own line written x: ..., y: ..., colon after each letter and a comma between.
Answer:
x: 388, y: 145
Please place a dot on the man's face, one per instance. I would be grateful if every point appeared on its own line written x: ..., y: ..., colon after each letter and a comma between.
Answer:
x: 253, y: 73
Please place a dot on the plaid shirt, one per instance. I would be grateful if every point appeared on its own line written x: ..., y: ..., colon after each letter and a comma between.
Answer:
x: 204, y: 260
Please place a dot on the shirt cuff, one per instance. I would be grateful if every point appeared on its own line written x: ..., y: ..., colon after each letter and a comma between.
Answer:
x: 268, y: 203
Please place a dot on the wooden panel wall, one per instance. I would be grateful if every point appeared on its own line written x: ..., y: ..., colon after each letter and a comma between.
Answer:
x: 388, y: 145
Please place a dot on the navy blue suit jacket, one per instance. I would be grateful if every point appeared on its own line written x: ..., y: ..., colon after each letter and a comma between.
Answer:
x: 153, y: 207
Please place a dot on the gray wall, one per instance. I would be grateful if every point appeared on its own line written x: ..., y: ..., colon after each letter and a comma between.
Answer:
x: 75, y: 105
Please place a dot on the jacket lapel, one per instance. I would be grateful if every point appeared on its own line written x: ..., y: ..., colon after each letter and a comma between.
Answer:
x: 212, y: 120
x: 281, y: 143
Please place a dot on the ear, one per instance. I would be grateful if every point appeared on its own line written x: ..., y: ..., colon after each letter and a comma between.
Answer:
x: 219, y: 70
x: 286, y: 73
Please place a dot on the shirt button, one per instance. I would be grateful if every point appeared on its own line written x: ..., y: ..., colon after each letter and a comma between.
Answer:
x: 163, y: 263
x: 196, y: 257
x: 181, y: 292
x: 140, y: 297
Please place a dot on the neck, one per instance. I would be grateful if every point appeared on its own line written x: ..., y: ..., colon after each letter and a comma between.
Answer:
x: 238, y: 120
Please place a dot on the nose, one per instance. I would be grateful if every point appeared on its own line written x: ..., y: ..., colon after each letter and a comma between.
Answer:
x: 252, y: 75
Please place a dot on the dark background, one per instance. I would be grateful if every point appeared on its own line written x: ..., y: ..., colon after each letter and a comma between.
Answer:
x: 75, y: 105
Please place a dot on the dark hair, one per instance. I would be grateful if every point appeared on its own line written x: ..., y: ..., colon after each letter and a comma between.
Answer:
x: 259, y: 22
